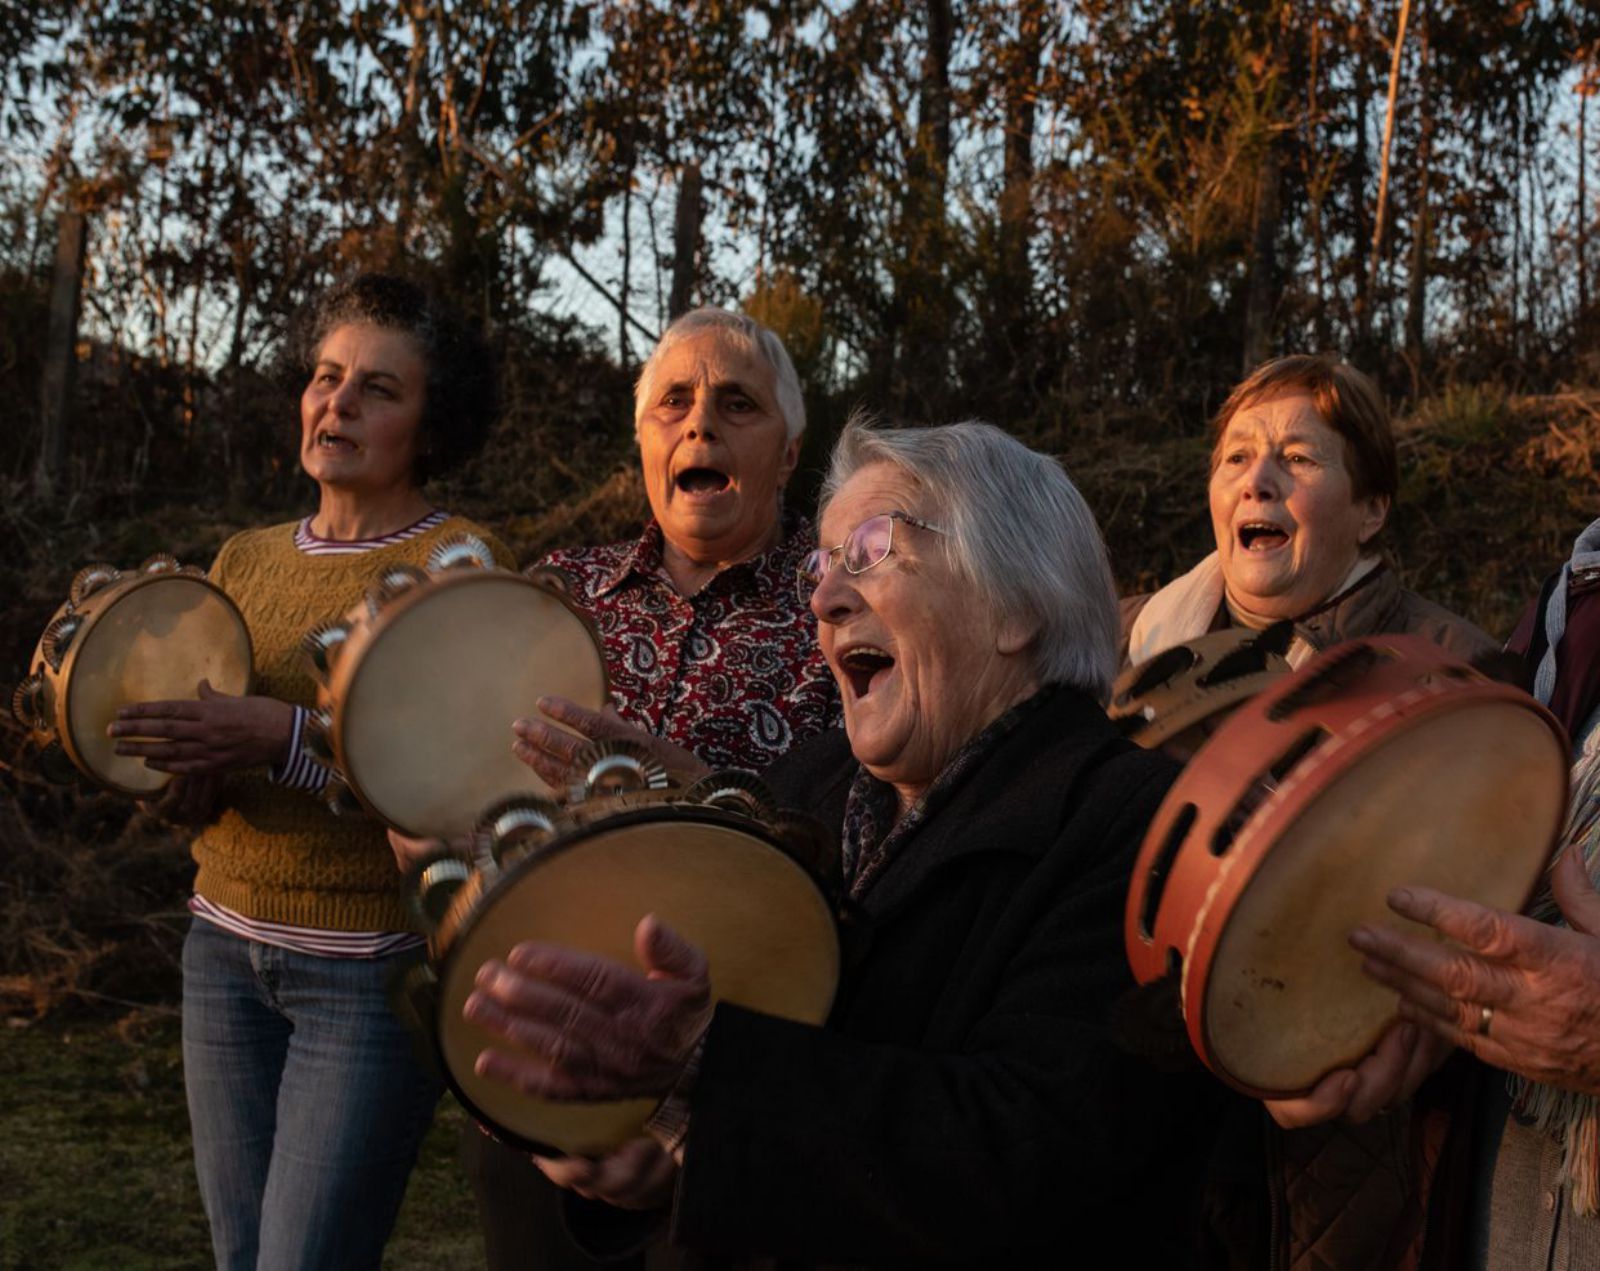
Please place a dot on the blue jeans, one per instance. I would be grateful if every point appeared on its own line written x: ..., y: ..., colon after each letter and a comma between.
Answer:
x: 306, y: 1102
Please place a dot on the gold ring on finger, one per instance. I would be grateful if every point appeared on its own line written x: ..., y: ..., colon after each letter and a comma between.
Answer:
x: 1485, y: 1018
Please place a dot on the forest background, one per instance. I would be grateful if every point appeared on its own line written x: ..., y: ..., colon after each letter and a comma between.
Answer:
x: 1080, y: 221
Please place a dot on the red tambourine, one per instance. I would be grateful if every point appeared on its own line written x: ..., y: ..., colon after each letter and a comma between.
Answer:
x: 1380, y: 763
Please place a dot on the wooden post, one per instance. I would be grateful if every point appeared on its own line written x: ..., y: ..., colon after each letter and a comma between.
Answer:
x: 60, y: 350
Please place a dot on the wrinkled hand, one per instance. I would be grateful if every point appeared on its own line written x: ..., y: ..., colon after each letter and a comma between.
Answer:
x: 554, y: 753
x: 218, y: 733
x: 1403, y: 1058
x: 1542, y: 982
x: 638, y: 1175
x: 186, y: 800
x: 588, y: 1028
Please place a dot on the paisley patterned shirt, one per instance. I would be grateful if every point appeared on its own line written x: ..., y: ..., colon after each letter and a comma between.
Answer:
x: 734, y: 672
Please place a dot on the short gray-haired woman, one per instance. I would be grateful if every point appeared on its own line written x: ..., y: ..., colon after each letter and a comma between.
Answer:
x: 964, y: 1102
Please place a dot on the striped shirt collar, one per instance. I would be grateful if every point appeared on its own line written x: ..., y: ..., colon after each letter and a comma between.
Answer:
x: 313, y: 545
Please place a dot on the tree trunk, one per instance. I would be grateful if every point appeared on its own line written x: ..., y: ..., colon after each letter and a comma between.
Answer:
x: 1417, y: 273
x: 920, y: 302
x: 1383, y: 157
x: 685, y: 242
x: 1316, y: 188
x: 1359, y: 173
x: 61, y: 354
x: 1260, y: 302
x: 1583, y: 190
x: 1016, y: 198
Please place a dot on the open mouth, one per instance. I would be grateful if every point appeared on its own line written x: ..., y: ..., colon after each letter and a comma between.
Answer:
x: 702, y: 481
x: 1262, y: 536
x: 334, y: 442
x: 862, y: 665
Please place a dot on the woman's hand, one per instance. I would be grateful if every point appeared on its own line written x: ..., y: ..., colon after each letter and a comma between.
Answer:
x: 555, y: 753
x: 219, y: 733
x: 638, y: 1175
x: 1519, y: 994
x: 1403, y: 1058
x: 409, y: 851
x: 589, y: 1028
x: 186, y: 800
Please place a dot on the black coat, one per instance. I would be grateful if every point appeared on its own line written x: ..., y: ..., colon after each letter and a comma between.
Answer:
x: 964, y: 1103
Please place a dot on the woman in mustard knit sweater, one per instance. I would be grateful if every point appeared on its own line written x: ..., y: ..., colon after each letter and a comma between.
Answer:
x: 306, y: 1102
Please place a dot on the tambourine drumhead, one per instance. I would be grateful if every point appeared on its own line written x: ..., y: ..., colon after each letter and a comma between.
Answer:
x: 422, y: 722
x: 762, y: 922
x: 1465, y: 803
x: 1381, y: 763
x: 151, y: 640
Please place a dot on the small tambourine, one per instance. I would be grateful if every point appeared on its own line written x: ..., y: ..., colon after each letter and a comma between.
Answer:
x: 1178, y: 698
x: 1381, y: 763
x: 123, y: 637
x: 752, y: 887
x: 420, y: 685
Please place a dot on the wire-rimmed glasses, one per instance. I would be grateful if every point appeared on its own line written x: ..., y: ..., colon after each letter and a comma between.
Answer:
x: 867, y: 545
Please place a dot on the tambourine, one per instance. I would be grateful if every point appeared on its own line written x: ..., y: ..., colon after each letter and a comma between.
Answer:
x: 746, y: 885
x: 420, y: 685
x: 1177, y: 699
x: 122, y: 637
x: 1381, y: 763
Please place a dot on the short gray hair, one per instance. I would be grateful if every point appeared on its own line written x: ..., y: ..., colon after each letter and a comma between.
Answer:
x: 750, y: 336
x: 1016, y: 531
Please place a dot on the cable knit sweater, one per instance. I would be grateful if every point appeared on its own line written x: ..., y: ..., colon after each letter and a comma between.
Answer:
x: 277, y: 854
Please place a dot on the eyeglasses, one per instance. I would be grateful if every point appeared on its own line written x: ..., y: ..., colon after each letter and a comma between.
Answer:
x: 867, y: 545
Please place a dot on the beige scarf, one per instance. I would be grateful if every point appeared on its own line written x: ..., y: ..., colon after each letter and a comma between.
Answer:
x: 1186, y: 607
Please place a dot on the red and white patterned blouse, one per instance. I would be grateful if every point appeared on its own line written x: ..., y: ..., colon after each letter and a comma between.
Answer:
x: 733, y: 673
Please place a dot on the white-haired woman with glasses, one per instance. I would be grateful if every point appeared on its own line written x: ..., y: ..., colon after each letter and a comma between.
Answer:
x: 964, y: 1102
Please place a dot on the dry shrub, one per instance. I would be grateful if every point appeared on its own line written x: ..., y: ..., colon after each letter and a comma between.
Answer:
x: 92, y: 895
x: 613, y: 510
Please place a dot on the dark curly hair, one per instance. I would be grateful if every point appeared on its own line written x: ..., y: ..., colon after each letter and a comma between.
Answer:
x: 462, y: 397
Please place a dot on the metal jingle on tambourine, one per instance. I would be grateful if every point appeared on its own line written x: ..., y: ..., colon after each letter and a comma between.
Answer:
x: 734, y: 790
x: 191, y: 571
x: 550, y: 578
x: 90, y: 579
x: 160, y: 563
x: 27, y: 703
x: 58, y: 638
x: 341, y: 799
x: 390, y: 583
x: 518, y: 824
x: 460, y: 551
x: 433, y: 887
x: 321, y: 645
x: 810, y: 842
x: 316, y: 736
x: 54, y: 765
x: 618, y: 767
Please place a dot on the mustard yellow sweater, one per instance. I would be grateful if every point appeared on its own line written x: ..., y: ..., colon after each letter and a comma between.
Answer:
x: 278, y: 854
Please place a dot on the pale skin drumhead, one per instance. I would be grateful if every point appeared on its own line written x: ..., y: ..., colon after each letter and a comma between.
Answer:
x: 764, y: 926
x: 424, y: 723
x: 156, y: 643
x: 1467, y: 804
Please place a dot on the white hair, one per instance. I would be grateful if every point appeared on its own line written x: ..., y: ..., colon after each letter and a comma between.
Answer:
x: 1017, y: 532
x: 750, y: 337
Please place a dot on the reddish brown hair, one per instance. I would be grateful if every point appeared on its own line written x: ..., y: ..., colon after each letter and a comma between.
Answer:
x: 1347, y: 401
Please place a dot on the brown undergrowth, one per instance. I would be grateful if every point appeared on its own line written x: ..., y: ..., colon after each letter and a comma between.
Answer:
x: 92, y: 892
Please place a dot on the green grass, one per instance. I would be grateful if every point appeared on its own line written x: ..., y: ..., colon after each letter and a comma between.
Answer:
x: 95, y: 1170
